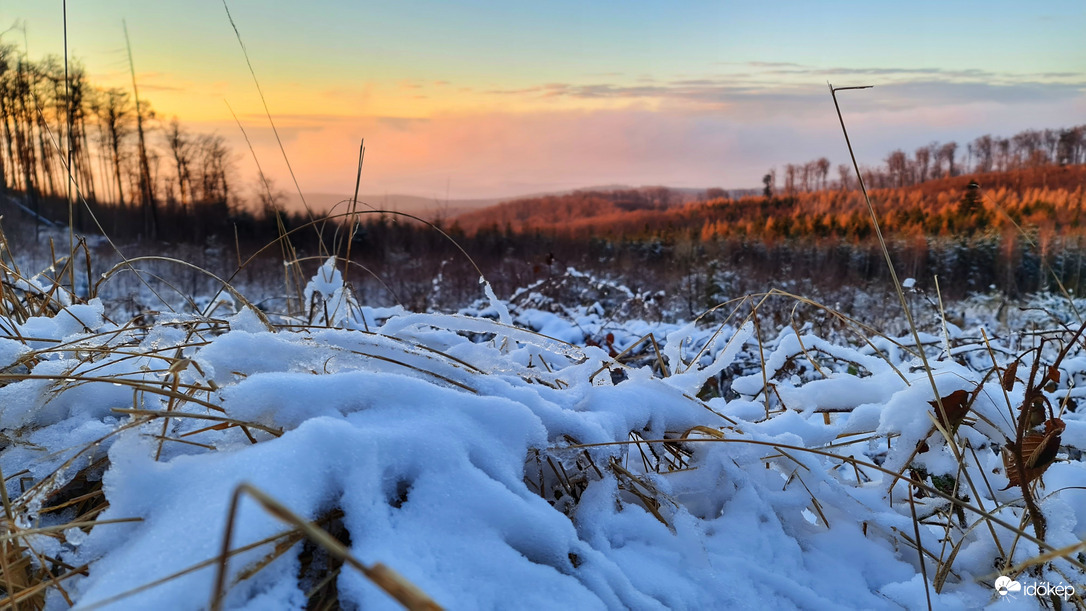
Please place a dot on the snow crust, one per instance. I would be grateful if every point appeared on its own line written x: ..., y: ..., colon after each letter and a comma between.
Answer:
x: 443, y: 439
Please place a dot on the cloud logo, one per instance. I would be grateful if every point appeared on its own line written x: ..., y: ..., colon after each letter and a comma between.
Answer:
x: 1005, y: 585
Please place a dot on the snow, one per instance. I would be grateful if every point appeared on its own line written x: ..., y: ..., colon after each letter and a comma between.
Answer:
x: 513, y: 463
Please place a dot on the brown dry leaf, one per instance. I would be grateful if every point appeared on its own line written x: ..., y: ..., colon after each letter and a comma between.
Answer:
x: 917, y: 479
x: 1010, y: 376
x: 1038, y: 452
x: 1055, y: 425
x: 1052, y: 379
x: 956, y: 405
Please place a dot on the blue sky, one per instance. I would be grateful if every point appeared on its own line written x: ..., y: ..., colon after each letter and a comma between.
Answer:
x: 491, y: 98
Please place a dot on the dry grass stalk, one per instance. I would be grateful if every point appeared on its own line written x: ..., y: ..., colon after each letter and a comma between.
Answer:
x: 383, y: 577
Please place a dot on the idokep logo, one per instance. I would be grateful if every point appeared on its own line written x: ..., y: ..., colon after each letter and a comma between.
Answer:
x: 1007, y: 586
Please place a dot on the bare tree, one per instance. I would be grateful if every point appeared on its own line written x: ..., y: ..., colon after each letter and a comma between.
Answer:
x: 982, y: 148
x: 823, y: 166
x: 23, y: 121
x: 1051, y: 142
x: 1026, y: 145
x: 78, y: 88
x: 115, y: 115
x: 1002, y: 154
x: 42, y: 93
x: 897, y: 166
x: 1070, y: 146
x: 946, y: 153
x: 7, y: 164
x: 213, y: 158
x: 923, y: 163
x: 179, y: 144
x: 936, y: 168
x: 844, y: 171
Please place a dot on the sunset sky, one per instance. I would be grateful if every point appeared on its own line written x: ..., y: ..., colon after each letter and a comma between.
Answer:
x: 497, y: 98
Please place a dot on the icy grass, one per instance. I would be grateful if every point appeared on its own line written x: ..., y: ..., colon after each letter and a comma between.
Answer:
x: 529, y: 454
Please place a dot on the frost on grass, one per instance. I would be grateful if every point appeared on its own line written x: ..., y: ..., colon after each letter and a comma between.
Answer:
x: 551, y: 458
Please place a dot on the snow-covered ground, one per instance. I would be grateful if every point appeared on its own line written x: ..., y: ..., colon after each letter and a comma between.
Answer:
x: 533, y: 454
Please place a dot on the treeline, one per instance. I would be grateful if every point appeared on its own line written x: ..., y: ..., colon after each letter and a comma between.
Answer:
x: 689, y: 270
x: 1043, y: 199
x: 140, y: 175
x: 587, y: 208
x: 1031, y: 148
x: 1015, y: 230
x: 1042, y: 202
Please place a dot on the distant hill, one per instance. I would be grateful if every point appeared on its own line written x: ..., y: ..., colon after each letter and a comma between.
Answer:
x: 428, y: 208
x: 1049, y: 197
x: 582, y: 208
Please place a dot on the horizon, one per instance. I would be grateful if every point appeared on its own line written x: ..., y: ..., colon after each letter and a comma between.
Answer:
x: 493, y: 101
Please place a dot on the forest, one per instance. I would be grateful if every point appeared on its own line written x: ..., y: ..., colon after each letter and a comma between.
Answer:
x: 134, y: 174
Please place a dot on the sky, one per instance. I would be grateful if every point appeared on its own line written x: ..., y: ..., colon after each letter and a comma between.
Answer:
x: 487, y: 98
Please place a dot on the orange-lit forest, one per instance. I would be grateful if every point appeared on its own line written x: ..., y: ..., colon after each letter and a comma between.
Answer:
x: 1046, y: 201
x: 1014, y: 230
